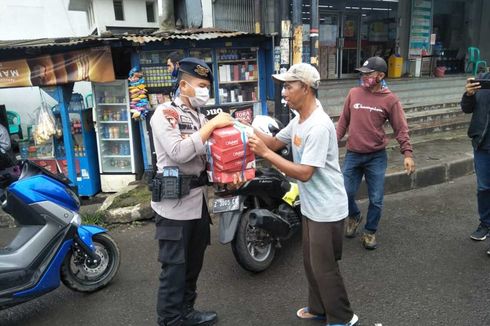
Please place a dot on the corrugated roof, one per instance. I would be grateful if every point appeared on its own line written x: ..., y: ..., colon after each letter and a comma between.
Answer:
x: 45, y: 42
x: 181, y: 36
x: 189, y: 34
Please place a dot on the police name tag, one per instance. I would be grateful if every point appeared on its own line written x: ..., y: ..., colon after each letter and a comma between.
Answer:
x: 227, y: 204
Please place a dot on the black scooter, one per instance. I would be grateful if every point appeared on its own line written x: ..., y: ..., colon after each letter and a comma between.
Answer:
x: 259, y: 215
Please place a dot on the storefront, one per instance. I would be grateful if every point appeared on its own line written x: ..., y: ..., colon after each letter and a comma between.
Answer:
x: 97, y: 141
x: 425, y: 33
x: 240, y: 63
x: 62, y: 139
x: 350, y: 32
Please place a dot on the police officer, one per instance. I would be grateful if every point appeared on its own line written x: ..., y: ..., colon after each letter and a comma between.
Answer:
x: 182, y: 224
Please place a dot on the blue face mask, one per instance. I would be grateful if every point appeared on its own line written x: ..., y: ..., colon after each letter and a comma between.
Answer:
x: 175, y: 72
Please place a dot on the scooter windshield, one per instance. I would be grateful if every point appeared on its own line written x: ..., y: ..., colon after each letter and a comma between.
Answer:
x: 30, y: 169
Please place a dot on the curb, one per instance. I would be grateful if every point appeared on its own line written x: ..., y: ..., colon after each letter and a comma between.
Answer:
x: 424, y: 177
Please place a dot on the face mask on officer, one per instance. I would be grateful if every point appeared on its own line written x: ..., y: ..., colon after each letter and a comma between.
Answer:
x: 200, y: 98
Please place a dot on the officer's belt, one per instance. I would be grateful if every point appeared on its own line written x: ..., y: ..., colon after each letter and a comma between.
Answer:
x: 191, y: 181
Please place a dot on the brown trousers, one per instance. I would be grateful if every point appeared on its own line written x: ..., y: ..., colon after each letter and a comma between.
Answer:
x: 322, y: 248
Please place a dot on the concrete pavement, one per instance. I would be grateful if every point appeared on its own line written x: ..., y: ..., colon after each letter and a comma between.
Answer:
x: 426, y: 272
x: 437, y: 161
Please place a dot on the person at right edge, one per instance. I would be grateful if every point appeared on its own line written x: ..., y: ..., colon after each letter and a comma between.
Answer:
x: 477, y: 102
x: 181, y: 216
x: 366, y: 110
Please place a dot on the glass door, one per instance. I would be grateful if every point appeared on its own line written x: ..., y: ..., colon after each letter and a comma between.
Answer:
x: 340, y: 40
x: 329, y: 38
x: 349, y: 45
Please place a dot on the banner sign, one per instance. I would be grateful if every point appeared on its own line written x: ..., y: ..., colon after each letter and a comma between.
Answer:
x: 420, y: 28
x: 242, y: 112
x: 94, y: 64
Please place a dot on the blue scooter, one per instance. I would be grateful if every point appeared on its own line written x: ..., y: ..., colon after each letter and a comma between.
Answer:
x: 51, y: 244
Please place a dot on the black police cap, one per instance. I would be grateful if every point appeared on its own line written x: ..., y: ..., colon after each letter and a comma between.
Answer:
x: 196, y: 68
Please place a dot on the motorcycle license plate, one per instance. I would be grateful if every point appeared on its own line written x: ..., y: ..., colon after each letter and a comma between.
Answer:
x: 227, y: 204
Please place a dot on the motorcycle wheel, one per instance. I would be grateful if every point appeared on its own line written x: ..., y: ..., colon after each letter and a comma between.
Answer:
x: 79, y: 274
x: 252, y: 247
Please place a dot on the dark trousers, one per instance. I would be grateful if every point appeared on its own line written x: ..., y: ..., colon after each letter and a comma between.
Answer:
x: 322, y: 248
x: 181, y: 252
x: 482, y: 170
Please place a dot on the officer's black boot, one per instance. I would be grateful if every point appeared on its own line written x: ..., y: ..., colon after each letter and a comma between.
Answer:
x: 194, y: 317
x: 201, y: 318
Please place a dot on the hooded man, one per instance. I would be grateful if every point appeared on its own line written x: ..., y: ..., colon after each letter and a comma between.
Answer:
x: 366, y: 109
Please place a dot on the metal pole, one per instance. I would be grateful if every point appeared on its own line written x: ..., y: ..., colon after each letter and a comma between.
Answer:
x: 314, y: 33
x: 297, y: 31
x: 281, y: 111
x: 258, y: 16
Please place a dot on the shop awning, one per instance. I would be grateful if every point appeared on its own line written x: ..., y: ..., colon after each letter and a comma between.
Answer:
x: 143, y: 38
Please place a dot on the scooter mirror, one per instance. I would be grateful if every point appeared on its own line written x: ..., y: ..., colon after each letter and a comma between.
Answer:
x: 273, y: 129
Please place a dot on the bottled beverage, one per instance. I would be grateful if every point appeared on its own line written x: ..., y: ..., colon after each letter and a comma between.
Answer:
x: 126, y: 131
x: 116, y: 132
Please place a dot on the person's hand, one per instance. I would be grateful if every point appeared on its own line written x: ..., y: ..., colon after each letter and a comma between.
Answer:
x: 223, y: 119
x: 471, y: 86
x: 237, y: 182
x: 409, y: 164
x: 257, y: 145
x: 243, y: 121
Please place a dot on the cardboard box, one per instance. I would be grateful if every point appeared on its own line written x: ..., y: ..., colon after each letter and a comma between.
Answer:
x: 227, y: 177
x: 236, y: 165
x: 230, y: 136
x: 228, y: 154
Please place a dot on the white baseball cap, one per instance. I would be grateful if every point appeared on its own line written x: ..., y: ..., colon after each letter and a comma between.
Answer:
x: 303, y: 72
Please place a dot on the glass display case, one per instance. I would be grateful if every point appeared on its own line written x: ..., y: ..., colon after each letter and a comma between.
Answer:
x: 115, y: 136
x: 52, y: 154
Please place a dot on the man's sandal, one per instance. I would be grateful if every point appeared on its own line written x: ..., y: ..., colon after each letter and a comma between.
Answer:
x: 304, y: 313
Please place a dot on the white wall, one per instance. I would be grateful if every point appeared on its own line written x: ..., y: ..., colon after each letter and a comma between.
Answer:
x: 28, y: 19
x: 207, y: 13
x: 134, y: 14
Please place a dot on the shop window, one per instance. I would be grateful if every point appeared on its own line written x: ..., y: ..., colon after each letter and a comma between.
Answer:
x: 238, y: 75
x: 150, y: 11
x: 118, y: 9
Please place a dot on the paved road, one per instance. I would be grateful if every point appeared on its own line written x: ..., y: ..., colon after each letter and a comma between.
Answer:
x: 426, y: 272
